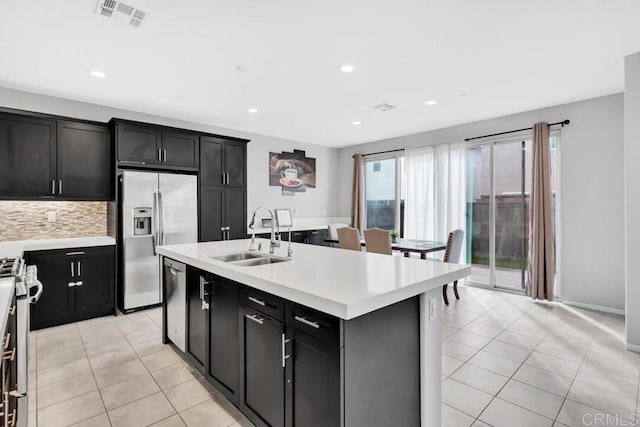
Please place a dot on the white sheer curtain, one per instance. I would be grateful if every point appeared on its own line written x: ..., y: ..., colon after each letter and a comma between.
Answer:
x: 436, y: 191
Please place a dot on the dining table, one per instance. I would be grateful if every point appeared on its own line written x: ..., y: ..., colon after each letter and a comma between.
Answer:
x: 407, y: 246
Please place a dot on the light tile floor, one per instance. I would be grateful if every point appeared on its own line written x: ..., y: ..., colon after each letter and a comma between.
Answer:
x: 115, y: 371
x: 506, y: 361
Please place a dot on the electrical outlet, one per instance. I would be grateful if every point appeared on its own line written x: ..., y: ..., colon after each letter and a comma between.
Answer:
x: 433, y: 309
x: 295, y: 212
x: 51, y: 216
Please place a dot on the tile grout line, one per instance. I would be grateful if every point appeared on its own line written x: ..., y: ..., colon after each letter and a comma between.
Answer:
x: 93, y: 374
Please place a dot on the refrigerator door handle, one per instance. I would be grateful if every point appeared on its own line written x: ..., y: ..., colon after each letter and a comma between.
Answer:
x: 156, y: 226
x: 161, y: 218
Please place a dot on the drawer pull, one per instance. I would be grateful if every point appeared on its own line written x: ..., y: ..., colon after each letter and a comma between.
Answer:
x: 307, y: 322
x: 79, y: 283
x: 75, y: 253
x: 71, y: 284
x: 257, y: 301
x: 255, y: 318
x: 12, y: 310
x: 7, y: 338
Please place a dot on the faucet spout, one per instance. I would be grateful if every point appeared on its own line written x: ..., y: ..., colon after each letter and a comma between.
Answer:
x: 274, y: 243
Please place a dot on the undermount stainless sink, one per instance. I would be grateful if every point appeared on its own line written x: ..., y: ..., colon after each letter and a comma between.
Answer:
x: 238, y: 256
x: 260, y: 261
x: 249, y: 259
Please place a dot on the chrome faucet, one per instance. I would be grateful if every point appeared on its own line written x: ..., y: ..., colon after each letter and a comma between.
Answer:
x: 274, y: 243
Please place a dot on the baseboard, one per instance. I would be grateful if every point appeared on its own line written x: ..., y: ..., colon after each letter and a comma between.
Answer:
x: 633, y: 347
x: 594, y: 307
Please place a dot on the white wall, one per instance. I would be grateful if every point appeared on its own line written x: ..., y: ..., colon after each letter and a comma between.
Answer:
x: 318, y: 202
x: 632, y: 196
x: 592, y: 180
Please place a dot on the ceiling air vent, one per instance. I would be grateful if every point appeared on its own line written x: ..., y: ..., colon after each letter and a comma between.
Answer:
x: 119, y: 11
x: 384, y: 106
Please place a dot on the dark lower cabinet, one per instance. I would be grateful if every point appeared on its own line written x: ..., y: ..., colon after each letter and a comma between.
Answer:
x: 313, y: 381
x: 262, y: 368
x: 224, y: 352
x: 78, y: 283
x: 197, y: 316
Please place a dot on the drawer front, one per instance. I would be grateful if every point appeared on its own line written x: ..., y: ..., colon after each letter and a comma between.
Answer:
x: 320, y: 325
x: 268, y: 304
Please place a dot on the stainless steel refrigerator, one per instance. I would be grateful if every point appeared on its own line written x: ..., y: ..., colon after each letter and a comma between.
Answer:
x: 157, y: 209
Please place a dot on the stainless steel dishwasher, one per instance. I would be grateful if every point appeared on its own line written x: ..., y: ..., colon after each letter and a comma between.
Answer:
x: 175, y: 276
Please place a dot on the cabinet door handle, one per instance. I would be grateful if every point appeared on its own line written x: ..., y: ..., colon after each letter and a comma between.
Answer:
x: 307, y: 322
x: 7, y: 339
x: 59, y: 186
x: 164, y: 155
x: 79, y: 283
x: 71, y: 284
x: 53, y: 187
x: 159, y: 155
x: 257, y: 301
x: 285, y: 356
x: 72, y: 270
x: 78, y: 268
x: 255, y: 318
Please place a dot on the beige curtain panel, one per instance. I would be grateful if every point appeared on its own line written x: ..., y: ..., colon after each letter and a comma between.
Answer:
x: 541, y: 271
x: 358, y: 207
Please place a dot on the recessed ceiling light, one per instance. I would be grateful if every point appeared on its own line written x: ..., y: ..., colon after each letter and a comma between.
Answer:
x: 98, y: 74
x: 252, y: 110
x: 347, y: 68
x: 431, y: 103
x: 356, y: 123
x: 464, y: 94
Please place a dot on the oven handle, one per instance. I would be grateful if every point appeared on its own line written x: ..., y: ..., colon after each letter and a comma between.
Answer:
x: 34, y: 299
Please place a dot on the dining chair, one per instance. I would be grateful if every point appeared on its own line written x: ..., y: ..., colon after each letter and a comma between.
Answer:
x: 378, y: 241
x: 452, y: 254
x: 348, y: 238
x: 333, y: 232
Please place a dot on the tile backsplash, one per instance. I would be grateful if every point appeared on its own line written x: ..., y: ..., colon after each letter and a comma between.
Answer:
x: 20, y: 220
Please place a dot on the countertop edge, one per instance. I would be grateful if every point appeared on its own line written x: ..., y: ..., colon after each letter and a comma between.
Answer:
x: 343, y: 311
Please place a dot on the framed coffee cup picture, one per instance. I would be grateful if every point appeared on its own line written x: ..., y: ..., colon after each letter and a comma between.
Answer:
x: 294, y: 172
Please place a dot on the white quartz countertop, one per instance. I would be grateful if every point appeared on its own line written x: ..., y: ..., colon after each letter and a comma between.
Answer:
x: 18, y: 247
x: 340, y: 282
x: 262, y: 230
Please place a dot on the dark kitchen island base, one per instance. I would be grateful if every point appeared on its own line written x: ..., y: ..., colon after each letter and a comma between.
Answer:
x: 285, y: 365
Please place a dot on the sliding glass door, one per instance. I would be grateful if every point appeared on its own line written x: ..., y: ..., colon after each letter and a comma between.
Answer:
x: 384, y: 192
x: 498, y: 195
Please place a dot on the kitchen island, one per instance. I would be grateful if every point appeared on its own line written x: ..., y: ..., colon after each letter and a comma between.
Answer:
x: 326, y: 337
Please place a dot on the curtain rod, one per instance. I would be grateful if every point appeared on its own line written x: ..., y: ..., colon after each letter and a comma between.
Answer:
x: 381, y: 152
x: 562, y: 123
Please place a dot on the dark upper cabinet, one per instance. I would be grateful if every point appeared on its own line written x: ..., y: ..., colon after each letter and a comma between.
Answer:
x: 235, y: 159
x: 224, y: 354
x: 47, y: 159
x: 85, y: 161
x: 262, y: 370
x: 223, y: 162
x: 197, y: 293
x: 56, y: 304
x: 211, y: 161
x: 179, y: 149
x: 138, y: 144
x: 152, y: 146
x: 94, y: 281
x: 27, y: 157
x: 78, y: 283
x: 313, y: 381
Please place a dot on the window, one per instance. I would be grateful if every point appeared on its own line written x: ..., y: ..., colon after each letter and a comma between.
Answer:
x: 384, y: 191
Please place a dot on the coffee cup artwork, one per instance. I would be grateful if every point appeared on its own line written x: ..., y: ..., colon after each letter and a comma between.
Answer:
x: 293, y: 172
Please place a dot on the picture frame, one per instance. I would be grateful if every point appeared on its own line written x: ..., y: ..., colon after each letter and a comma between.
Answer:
x: 284, y: 218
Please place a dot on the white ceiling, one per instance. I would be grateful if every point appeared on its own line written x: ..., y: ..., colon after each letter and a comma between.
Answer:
x: 507, y: 55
